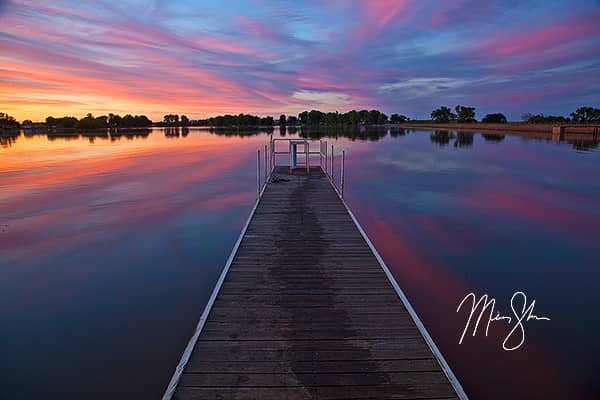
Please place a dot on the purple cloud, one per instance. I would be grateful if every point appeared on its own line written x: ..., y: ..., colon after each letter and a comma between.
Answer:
x: 272, y: 57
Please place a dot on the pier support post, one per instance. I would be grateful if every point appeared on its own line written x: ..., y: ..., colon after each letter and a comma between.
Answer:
x: 558, y: 133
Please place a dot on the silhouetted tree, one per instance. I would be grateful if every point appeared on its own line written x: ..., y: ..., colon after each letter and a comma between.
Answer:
x: 130, y: 121
x: 62, y: 123
x: 545, y: 119
x: 398, y: 119
x: 376, y: 117
x: 91, y: 122
x: 443, y: 114
x: 363, y: 117
x: 8, y: 121
x: 268, y: 121
x: 282, y: 119
x: 496, y: 118
x: 171, y: 119
x: 586, y: 114
x: 114, y: 120
x: 142, y: 121
x: 185, y: 120
x: 351, y: 117
x: 292, y: 120
x: 465, y: 114
x: 315, y: 117
x: 303, y: 117
x: 526, y: 116
x: 332, y: 118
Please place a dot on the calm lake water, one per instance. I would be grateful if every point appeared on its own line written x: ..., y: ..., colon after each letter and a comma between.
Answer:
x: 110, y: 247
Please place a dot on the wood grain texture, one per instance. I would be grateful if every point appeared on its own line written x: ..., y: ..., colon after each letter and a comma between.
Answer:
x: 306, y: 312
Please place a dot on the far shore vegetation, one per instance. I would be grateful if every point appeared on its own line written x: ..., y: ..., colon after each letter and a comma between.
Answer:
x: 443, y: 115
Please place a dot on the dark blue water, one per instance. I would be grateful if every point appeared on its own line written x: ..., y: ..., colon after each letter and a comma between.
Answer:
x: 109, y: 256
x: 110, y: 247
x: 493, y: 215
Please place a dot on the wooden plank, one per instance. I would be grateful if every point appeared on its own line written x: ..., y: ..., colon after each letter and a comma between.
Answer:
x: 312, y: 366
x: 390, y: 392
x: 306, y: 312
x: 311, y: 379
x: 334, y: 349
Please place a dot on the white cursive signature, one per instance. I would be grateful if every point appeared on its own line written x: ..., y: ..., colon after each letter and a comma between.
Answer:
x: 521, y: 315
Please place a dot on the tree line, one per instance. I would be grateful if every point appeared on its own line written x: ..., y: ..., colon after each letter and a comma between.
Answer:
x: 465, y: 114
x: 460, y: 114
x: 308, y: 118
x: 8, y: 121
x: 100, y: 122
x: 352, y: 117
x: 236, y: 120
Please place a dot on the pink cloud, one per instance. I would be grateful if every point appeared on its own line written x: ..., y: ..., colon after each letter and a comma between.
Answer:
x: 262, y: 31
x: 513, y: 42
x: 375, y: 15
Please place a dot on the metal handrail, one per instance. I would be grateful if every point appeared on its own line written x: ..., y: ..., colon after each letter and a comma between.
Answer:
x: 270, y: 162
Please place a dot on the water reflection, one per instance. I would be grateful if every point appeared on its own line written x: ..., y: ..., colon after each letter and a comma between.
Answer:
x: 584, y: 145
x: 398, y: 132
x: 172, y: 131
x: 464, y: 139
x: 111, y: 249
x: 7, y: 139
x: 512, y: 213
x: 131, y: 133
x: 492, y: 137
x: 109, y: 256
x: 239, y: 131
x: 459, y: 139
x: 442, y: 137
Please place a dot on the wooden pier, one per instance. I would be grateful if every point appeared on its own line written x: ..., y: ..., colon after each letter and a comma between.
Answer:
x: 306, y: 309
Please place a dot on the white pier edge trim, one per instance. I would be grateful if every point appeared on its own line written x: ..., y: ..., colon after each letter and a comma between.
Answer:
x: 436, y: 352
x: 192, y: 342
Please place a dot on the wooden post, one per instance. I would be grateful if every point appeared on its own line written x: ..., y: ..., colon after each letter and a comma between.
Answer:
x: 558, y: 133
x: 266, y: 166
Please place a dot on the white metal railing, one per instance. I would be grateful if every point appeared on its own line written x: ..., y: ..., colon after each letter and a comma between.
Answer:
x: 326, y: 165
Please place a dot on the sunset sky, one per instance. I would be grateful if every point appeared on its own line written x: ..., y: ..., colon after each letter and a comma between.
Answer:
x: 204, y: 58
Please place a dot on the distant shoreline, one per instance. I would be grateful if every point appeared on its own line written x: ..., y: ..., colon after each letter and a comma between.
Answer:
x: 516, y: 127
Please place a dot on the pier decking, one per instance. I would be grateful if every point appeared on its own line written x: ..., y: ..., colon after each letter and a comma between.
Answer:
x: 306, y: 311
